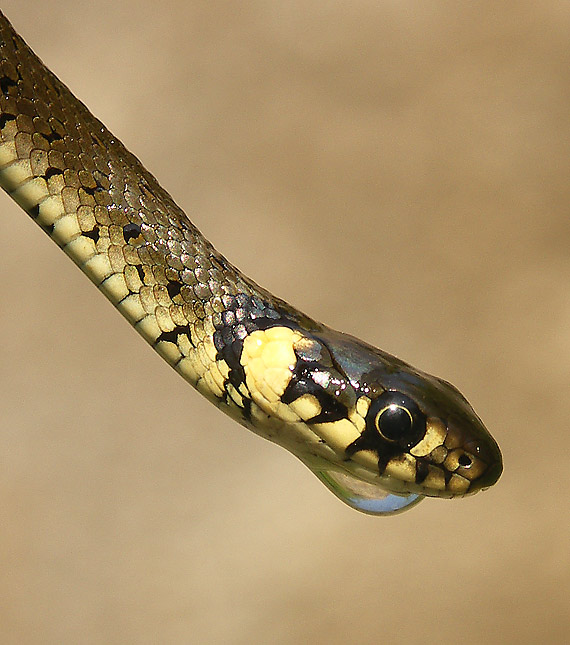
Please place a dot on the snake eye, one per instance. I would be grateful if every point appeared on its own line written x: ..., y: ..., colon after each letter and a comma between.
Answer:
x: 396, y: 419
x: 394, y: 422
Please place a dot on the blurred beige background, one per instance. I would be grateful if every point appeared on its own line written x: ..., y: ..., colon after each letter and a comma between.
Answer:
x: 399, y: 170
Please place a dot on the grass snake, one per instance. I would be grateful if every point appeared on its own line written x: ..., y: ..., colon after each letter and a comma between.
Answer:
x: 379, y: 433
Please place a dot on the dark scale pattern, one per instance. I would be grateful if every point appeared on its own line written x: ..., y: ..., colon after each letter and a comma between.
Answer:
x: 237, y: 317
x: 141, y: 250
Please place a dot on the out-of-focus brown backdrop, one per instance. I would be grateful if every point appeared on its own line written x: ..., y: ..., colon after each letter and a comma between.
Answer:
x: 398, y: 170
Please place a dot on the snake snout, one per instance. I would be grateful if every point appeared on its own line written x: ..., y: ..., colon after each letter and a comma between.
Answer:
x: 472, y: 454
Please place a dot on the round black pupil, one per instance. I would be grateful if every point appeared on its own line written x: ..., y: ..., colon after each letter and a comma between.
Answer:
x: 394, y: 422
x: 464, y: 461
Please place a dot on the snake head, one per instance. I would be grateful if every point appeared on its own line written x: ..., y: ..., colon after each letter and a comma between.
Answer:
x: 379, y: 427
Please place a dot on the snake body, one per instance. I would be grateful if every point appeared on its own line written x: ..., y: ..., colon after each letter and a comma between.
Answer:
x: 369, y: 425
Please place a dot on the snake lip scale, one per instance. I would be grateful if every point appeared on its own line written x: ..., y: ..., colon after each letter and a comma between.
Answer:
x: 379, y: 433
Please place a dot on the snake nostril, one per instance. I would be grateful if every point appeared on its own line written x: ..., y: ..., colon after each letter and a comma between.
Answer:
x: 465, y: 461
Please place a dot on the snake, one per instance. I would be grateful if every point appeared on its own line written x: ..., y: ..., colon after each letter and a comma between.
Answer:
x: 379, y: 433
